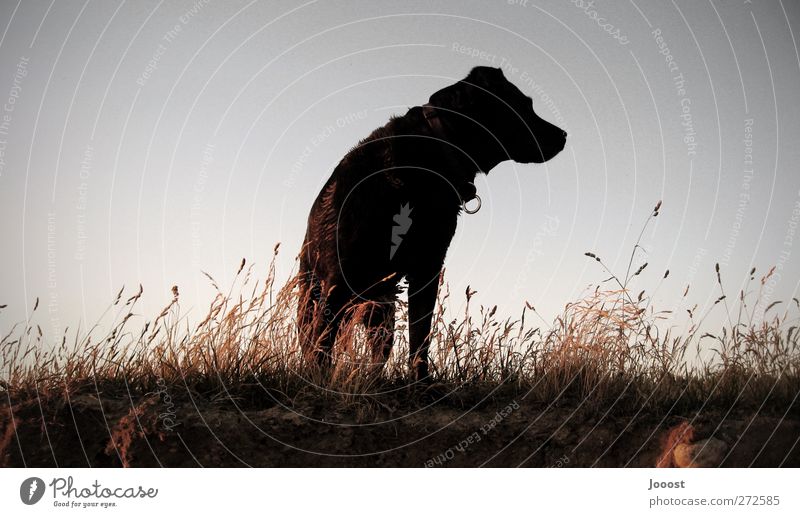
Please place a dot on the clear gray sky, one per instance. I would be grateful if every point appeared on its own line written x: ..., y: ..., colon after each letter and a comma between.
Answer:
x: 147, y: 141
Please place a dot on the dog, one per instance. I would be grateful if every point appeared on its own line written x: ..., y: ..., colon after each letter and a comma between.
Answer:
x: 389, y: 211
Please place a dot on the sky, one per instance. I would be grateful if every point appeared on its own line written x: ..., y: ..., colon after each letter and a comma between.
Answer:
x: 148, y: 142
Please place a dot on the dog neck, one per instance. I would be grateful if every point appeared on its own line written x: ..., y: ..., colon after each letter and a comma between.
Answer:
x: 464, y: 184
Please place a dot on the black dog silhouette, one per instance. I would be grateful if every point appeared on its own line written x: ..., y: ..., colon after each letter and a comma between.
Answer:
x: 390, y: 208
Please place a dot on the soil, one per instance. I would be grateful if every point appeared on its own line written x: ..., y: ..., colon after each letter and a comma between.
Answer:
x: 503, y: 431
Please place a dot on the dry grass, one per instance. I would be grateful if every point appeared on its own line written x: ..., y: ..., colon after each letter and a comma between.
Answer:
x: 610, y: 345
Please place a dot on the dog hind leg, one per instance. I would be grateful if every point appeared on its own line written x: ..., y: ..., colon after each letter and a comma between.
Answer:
x: 379, y: 322
x: 318, y: 319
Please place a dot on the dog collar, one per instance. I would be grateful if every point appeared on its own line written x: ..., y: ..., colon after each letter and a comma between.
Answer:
x: 435, y: 123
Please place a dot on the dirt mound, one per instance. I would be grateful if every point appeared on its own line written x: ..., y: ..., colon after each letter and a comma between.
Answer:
x: 501, y: 432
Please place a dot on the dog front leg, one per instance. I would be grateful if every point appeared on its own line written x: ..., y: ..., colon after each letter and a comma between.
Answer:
x: 422, y: 290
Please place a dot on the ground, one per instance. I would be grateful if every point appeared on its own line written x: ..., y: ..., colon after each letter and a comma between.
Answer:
x: 399, y: 429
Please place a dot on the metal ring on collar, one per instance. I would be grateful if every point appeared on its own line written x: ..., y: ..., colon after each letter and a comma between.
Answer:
x: 475, y: 211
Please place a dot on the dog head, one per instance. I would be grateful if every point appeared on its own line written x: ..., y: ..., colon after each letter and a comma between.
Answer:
x: 492, y: 117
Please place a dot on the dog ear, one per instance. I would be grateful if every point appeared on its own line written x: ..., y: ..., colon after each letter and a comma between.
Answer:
x: 458, y: 97
x: 485, y: 76
x: 455, y: 97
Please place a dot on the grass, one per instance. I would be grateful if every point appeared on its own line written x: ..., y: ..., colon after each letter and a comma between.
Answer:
x: 610, y: 346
